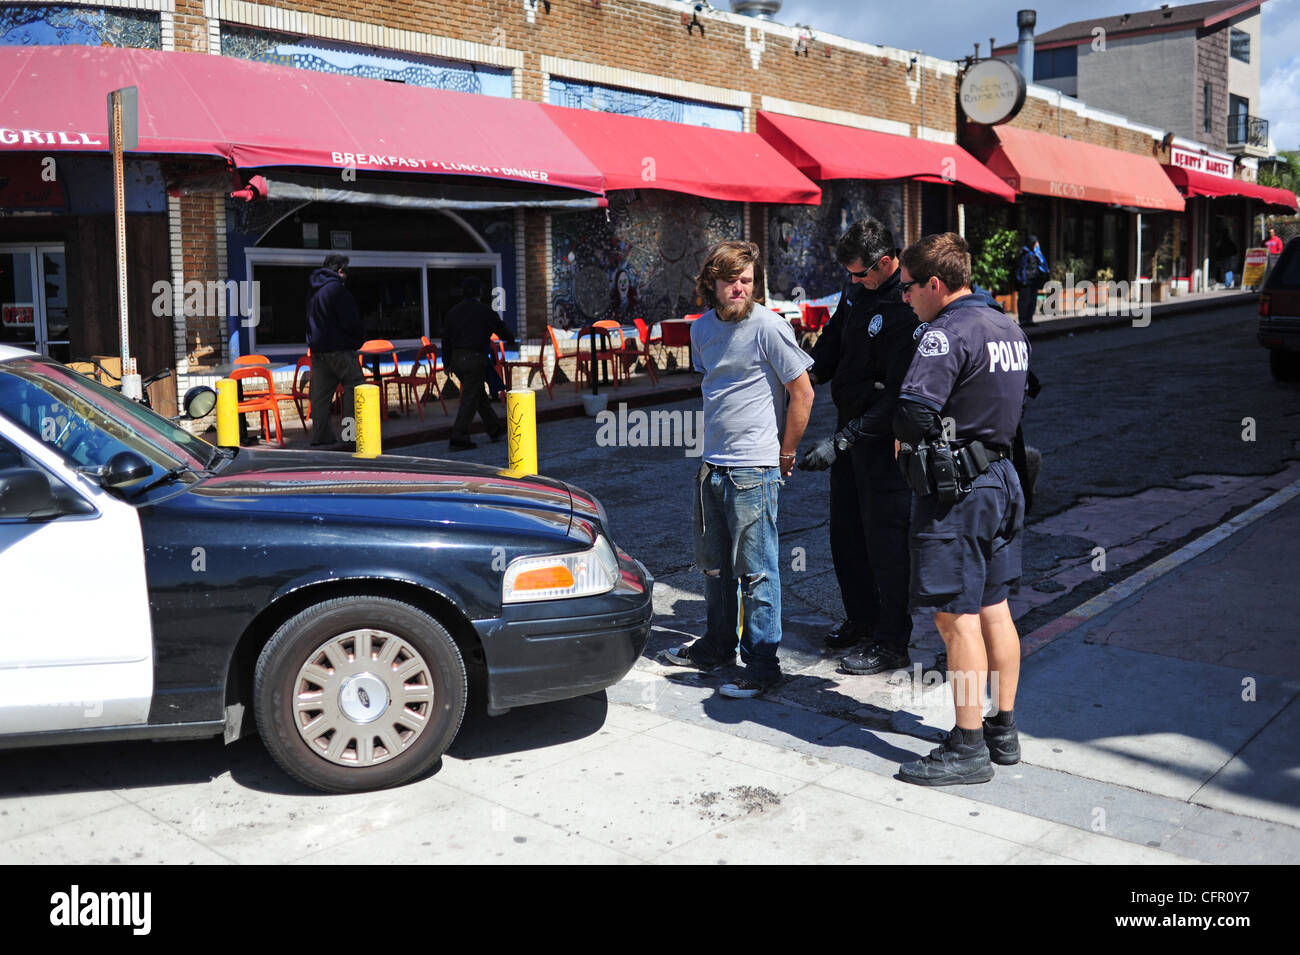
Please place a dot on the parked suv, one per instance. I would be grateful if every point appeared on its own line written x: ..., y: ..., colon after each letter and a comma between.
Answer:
x: 1279, y: 314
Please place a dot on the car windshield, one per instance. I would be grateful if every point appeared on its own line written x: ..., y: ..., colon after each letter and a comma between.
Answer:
x: 88, y: 423
x: 1286, y: 273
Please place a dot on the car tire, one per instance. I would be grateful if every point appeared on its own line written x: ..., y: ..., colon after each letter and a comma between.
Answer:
x: 359, y: 693
x: 1285, y: 365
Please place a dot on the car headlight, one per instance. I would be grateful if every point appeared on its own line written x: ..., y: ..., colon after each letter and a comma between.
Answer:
x: 584, y: 574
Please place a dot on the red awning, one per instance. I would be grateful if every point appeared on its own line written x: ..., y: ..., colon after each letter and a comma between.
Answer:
x: 636, y: 153
x: 1052, y: 166
x: 829, y: 151
x: 1191, y: 182
x: 257, y: 115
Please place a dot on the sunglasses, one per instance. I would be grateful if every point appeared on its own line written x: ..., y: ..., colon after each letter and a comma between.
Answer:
x: 904, y: 287
x: 863, y: 274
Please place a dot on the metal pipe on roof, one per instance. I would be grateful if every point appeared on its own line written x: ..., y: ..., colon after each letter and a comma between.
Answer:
x: 1025, y: 20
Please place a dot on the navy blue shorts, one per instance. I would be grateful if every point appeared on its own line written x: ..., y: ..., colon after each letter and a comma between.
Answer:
x: 967, y: 555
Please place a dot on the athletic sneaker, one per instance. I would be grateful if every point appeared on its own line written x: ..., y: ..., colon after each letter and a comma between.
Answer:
x: 1003, y: 743
x: 948, y: 765
x: 683, y: 656
x: 744, y: 689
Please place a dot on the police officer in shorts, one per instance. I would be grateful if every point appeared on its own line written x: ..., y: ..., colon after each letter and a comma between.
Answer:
x: 958, y: 411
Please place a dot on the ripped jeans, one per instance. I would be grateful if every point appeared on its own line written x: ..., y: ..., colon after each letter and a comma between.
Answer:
x: 736, y: 547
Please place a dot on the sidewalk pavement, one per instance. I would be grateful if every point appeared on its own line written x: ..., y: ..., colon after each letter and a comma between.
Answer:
x: 1161, y: 728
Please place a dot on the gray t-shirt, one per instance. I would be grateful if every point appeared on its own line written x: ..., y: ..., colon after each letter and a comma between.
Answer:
x: 746, y: 366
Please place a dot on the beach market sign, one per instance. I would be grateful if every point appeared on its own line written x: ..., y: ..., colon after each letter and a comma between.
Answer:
x: 1220, y: 166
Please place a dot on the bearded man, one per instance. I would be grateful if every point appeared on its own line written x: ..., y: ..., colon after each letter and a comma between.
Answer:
x: 750, y: 359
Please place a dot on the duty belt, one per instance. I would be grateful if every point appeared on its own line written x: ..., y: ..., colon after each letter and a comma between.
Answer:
x: 976, y: 457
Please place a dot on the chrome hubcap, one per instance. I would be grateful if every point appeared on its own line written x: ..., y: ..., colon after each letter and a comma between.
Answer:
x: 362, y: 698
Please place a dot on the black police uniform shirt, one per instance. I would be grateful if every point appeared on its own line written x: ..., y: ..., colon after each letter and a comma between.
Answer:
x: 864, y: 337
x: 971, y: 365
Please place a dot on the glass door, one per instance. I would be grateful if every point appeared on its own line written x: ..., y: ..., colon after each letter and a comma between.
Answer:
x: 34, y: 299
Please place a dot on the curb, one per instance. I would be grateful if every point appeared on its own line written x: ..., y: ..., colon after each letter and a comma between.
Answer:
x: 1126, y: 588
x: 1065, y: 326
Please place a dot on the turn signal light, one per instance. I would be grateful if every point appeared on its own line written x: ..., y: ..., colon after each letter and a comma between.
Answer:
x: 544, y: 578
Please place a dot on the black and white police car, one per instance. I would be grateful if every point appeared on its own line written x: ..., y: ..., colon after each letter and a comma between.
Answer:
x: 156, y: 586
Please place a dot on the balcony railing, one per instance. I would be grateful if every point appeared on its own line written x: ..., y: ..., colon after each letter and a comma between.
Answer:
x: 1245, y: 130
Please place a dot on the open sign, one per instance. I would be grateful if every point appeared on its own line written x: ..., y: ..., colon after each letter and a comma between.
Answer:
x: 19, y: 316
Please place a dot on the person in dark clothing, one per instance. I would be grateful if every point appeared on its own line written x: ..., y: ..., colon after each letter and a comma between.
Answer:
x: 865, y: 352
x: 1031, y: 275
x: 334, y: 333
x: 466, y: 336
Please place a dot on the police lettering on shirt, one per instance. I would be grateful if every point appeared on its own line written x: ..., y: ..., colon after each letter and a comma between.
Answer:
x: 971, y: 364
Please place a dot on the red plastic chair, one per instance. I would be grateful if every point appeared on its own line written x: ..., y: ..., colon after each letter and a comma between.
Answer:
x: 814, y: 319
x: 264, y: 401
x: 643, y: 333
x: 605, y: 352
x: 506, y: 369
x: 423, y: 374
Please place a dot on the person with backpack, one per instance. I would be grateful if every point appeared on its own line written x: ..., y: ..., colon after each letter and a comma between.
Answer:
x: 1031, y: 274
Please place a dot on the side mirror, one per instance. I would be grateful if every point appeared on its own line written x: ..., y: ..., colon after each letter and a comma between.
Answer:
x: 25, y: 493
x: 122, y: 469
x: 199, y: 402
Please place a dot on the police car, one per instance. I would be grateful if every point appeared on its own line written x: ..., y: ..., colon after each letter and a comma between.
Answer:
x: 158, y: 587
x: 1279, y: 314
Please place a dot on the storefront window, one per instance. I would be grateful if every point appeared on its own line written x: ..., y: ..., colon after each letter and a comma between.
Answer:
x: 34, y: 299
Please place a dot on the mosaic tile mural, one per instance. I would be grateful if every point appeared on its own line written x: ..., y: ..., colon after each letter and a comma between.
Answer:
x: 79, y: 26
x: 801, y: 239
x: 287, y: 49
x: 609, y: 99
x: 641, y: 262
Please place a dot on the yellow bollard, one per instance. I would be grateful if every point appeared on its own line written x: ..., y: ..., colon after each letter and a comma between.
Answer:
x: 227, y: 416
x: 366, y: 410
x: 521, y: 430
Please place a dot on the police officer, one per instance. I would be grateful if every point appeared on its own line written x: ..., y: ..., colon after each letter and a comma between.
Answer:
x: 864, y: 352
x: 958, y: 411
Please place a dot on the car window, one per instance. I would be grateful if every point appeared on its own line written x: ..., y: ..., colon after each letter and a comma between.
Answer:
x: 1286, y: 273
x: 88, y: 423
x: 66, y: 500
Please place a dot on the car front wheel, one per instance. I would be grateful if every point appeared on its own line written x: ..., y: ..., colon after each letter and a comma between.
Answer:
x: 359, y: 693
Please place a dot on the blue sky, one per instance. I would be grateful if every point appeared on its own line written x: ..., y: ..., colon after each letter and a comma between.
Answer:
x: 949, y: 29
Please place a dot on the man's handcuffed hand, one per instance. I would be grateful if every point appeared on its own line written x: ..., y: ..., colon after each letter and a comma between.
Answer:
x: 819, y: 457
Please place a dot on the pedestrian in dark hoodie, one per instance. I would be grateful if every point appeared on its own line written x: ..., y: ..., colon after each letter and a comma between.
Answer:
x: 334, y: 333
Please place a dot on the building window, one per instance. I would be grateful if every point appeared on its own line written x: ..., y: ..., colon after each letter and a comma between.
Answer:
x: 59, y: 25
x: 1055, y: 64
x: 1207, y: 109
x: 611, y: 99
x: 1239, y: 41
x: 1238, y: 119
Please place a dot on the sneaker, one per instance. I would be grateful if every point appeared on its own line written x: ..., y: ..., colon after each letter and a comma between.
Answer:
x: 744, y: 689
x: 461, y: 444
x: 875, y: 660
x: 847, y: 634
x: 948, y: 765
x: 1003, y: 743
x: 683, y: 657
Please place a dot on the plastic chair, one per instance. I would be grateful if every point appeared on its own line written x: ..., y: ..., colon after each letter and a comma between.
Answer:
x: 814, y: 319
x: 423, y: 374
x: 506, y: 369
x: 643, y: 334
x: 264, y: 401
x: 620, y: 348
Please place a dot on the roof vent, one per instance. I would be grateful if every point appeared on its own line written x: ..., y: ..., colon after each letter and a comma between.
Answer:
x: 758, y: 9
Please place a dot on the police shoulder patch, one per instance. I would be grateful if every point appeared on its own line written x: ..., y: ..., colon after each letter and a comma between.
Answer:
x: 876, y: 323
x: 933, y: 343
x: 920, y: 330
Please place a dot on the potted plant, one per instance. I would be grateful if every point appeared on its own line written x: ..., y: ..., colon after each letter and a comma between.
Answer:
x: 1101, y: 290
x: 991, y: 263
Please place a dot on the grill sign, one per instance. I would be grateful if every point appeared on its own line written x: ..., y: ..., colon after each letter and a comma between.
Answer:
x: 992, y: 92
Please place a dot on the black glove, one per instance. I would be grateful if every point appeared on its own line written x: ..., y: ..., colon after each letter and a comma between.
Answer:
x: 819, y: 457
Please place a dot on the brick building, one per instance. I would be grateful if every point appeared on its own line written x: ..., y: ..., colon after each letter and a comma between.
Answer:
x: 557, y: 258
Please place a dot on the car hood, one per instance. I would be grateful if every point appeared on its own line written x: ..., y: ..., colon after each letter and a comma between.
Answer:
x: 323, y: 482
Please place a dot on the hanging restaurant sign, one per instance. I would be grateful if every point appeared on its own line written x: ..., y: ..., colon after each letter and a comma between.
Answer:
x: 992, y: 92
